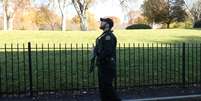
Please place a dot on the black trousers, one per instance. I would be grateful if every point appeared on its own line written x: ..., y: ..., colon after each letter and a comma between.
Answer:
x: 106, y: 76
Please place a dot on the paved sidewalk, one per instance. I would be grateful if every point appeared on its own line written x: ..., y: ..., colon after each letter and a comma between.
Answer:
x: 145, y: 94
x: 171, y: 98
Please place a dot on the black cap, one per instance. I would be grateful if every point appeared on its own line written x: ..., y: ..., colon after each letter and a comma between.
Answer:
x: 108, y: 20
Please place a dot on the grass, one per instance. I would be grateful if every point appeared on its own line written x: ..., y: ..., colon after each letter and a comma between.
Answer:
x: 68, y: 69
x: 123, y: 36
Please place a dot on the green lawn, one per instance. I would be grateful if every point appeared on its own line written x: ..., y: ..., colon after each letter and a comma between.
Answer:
x: 68, y: 69
x: 124, y: 36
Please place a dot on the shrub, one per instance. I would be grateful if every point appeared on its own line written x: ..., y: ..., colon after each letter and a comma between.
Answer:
x: 181, y: 25
x: 139, y: 26
x: 197, y: 24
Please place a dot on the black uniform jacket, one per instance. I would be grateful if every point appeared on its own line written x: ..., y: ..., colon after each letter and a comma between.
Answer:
x: 105, y: 48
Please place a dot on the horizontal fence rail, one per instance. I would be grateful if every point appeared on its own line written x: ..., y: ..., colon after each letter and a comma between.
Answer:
x: 32, y: 69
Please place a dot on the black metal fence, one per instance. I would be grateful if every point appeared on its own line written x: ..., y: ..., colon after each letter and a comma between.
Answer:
x: 60, y: 68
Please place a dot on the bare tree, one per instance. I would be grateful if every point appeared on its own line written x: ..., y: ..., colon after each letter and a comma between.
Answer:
x: 10, y: 8
x: 62, y: 7
x: 8, y: 14
x: 194, y: 10
x: 124, y: 4
x: 81, y: 7
x: 127, y: 6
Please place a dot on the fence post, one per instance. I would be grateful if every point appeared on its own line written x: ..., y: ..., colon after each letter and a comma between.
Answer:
x: 115, y: 81
x: 30, y: 70
x: 183, y: 65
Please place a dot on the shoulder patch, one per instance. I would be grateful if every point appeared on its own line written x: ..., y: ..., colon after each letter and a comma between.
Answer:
x: 108, y: 37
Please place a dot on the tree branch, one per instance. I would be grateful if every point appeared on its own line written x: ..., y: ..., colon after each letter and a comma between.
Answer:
x: 190, y: 12
x: 76, y: 7
x: 61, y: 9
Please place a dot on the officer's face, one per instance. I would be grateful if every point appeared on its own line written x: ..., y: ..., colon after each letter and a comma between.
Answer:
x: 103, y: 25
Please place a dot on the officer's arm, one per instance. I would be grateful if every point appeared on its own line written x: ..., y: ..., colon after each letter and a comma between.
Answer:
x: 107, y: 46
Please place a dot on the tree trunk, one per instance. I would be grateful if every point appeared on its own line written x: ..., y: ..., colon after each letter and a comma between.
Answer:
x: 168, y: 25
x: 6, y: 22
x: 152, y: 24
x: 6, y: 18
x: 83, y: 23
x: 193, y: 23
x: 81, y: 11
x: 11, y: 24
x: 52, y: 27
x: 63, y: 23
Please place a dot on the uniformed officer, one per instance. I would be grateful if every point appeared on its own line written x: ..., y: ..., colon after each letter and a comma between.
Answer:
x: 104, y: 54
